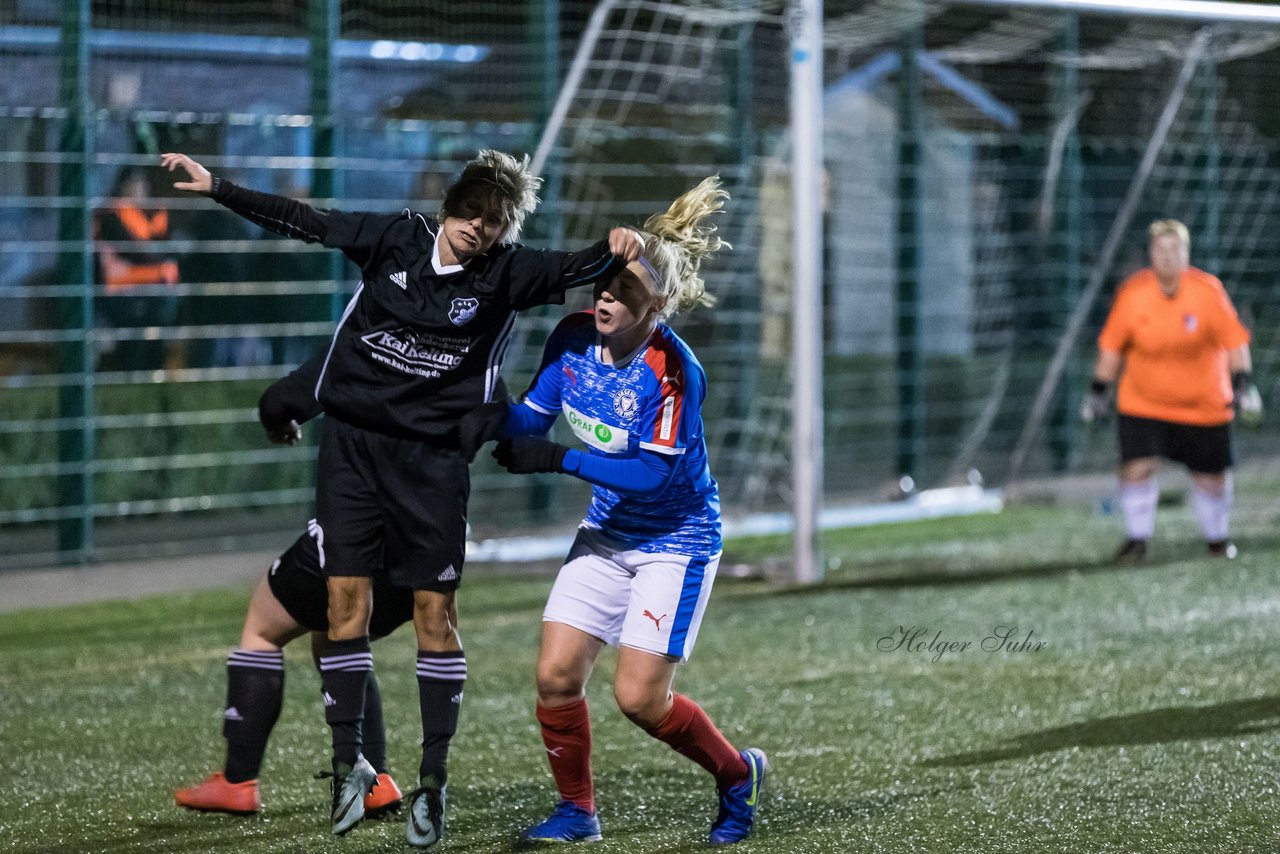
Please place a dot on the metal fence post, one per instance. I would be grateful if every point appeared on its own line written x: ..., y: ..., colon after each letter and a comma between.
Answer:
x: 75, y: 307
x: 544, y: 41
x: 1210, y: 252
x: 1066, y: 250
x: 910, y: 233
x: 326, y: 183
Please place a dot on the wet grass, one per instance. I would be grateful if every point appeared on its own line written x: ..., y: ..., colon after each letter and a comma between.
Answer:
x: 1145, y: 721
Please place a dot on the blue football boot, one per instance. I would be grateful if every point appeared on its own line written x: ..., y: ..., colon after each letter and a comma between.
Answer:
x: 738, y: 803
x: 568, y: 823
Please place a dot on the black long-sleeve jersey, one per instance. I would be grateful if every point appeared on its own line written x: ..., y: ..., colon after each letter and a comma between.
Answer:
x: 293, y: 396
x: 419, y: 344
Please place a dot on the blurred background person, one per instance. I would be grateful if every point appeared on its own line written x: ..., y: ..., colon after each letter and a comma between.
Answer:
x: 137, y: 281
x: 1182, y: 358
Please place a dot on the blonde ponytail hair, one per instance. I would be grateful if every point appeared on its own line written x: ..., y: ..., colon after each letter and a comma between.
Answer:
x: 675, y: 242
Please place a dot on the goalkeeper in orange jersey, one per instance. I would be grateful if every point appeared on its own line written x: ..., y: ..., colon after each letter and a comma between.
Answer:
x: 1182, y: 358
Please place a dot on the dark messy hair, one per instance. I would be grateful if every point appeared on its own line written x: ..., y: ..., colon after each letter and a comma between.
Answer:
x: 495, y: 182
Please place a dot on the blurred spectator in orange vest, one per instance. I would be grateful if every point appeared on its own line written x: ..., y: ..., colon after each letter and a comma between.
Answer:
x: 138, y: 282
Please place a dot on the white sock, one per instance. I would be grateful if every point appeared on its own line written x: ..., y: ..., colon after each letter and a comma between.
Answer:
x: 1213, y: 510
x: 1138, y: 506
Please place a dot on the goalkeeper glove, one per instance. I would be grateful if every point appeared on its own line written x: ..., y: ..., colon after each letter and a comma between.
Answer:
x: 530, y: 455
x: 1096, y: 405
x: 480, y: 425
x: 1246, y: 400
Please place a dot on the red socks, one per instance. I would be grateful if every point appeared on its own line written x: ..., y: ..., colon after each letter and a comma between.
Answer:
x: 692, y: 734
x: 566, y: 732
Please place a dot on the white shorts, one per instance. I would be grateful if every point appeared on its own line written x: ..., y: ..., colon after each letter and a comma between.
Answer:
x: 652, y: 602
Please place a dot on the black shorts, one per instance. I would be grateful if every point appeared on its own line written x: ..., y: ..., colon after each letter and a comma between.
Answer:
x: 392, y: 505
x: 299, y: 585
x: 1204, y: 450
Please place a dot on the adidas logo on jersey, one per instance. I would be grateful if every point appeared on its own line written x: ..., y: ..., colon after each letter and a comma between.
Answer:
x: 328, y: 700
x: 232, y: 714
x: 401, y: 279
x: 449, y: 574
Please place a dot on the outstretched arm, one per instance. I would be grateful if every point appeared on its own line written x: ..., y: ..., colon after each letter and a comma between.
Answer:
x: 200, y: 180
x: 538, y: 277
x: 284, y: 216
x: 647, y: 473
x: 354, y: 233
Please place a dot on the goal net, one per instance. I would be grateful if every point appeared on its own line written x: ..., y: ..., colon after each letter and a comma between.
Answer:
x: 1025, y: 129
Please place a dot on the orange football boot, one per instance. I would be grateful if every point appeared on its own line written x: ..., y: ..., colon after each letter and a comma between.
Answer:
x: 217, y: 795
x: 384, y: 798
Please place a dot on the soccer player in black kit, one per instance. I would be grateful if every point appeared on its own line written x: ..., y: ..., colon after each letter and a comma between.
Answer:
x: 419, y: 345
x: 289, y: 602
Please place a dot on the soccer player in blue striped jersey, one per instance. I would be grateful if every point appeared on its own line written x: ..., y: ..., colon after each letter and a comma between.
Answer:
x: 640, y: 571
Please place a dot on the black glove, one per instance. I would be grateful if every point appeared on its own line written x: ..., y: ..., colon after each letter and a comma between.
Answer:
x: 1246, y: 400
x: 480, y: 425
x: 281, y: 417
x: 290, y: 401
x: 1097, y: 404
x: 530, y: 455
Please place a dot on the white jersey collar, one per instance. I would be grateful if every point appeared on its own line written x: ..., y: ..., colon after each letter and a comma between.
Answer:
x: 625, y: 360
x: 441, y: 269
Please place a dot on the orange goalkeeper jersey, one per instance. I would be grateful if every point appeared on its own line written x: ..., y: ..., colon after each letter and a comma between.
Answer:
x: 1174, y: 348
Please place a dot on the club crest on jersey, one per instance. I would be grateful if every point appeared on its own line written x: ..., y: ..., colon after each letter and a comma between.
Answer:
x: 626, y: 403
x: 463, y: 309
x: 1189, y: 322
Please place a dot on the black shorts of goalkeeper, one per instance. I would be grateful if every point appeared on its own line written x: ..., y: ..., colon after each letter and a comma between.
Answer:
x: 1202, y: 449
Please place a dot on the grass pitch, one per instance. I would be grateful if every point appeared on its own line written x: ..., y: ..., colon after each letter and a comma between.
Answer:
x: 1145, y: 721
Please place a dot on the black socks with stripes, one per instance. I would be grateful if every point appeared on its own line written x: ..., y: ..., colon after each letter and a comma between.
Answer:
x: 255, y: 691
x: 440, y: 679
x: 345, y: 669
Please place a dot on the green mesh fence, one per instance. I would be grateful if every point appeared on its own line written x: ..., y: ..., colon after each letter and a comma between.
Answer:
x: 126, y: 412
